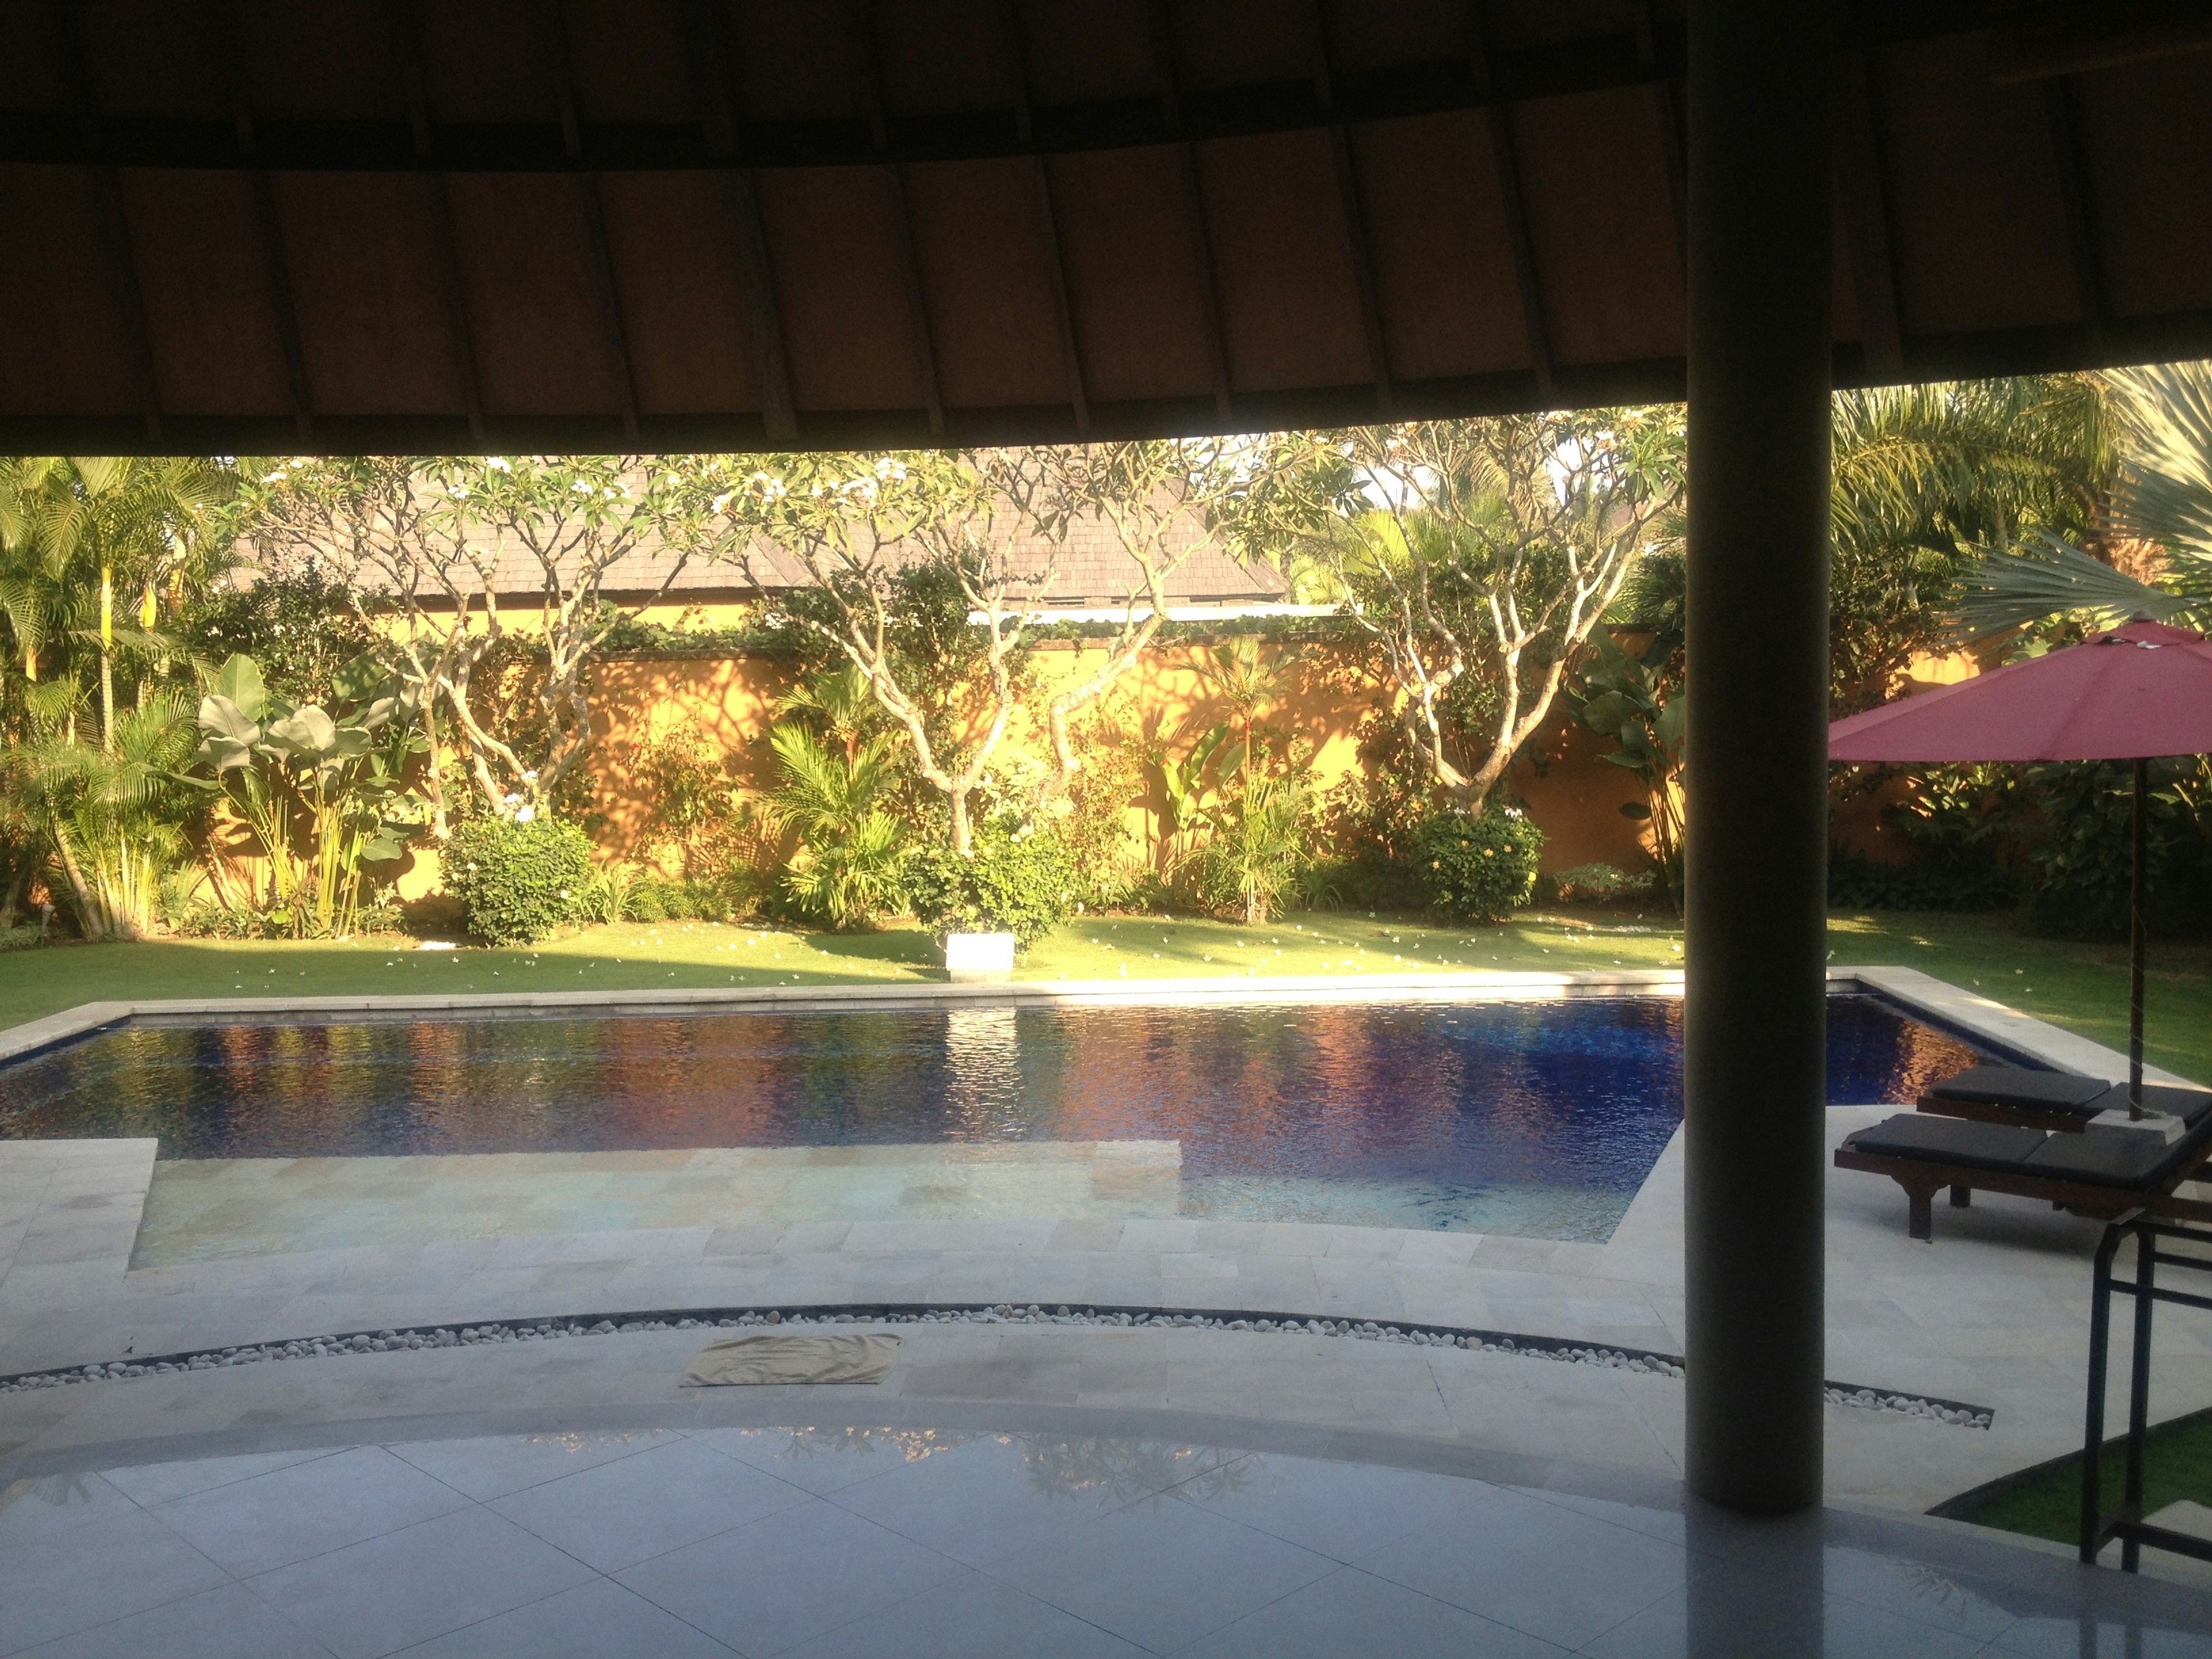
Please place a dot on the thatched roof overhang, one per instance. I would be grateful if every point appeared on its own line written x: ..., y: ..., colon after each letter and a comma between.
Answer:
x: 271, y: 225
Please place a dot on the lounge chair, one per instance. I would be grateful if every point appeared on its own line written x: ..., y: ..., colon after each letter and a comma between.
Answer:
x: 2102, y: 1170
x: 2050, y: 1100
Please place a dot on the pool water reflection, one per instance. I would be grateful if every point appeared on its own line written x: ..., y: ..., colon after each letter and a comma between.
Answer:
x: 1538, y: 1118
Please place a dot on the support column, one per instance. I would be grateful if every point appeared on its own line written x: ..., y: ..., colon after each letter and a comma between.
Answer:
x: 1756, y: 1015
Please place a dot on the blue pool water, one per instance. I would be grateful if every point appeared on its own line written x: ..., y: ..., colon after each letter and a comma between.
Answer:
x: 1541, y: 1118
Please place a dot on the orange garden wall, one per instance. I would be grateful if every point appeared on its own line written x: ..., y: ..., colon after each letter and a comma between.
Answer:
x: 1574, y: 795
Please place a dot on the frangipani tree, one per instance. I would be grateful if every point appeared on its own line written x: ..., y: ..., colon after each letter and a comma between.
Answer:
x: 1160, y: 497
x: 860, y: 527
x: 1469, y: 550
x: 427, y: 544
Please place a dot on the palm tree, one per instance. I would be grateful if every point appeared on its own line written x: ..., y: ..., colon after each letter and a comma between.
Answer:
x: 1924, y: 478
x: 111, y: 816
x: 2161, y: 498
x: 838, y: 702
x: 108, y: 520
x: 846, y: 868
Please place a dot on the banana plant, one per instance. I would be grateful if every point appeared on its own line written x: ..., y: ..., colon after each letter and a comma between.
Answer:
x: 325, y: 794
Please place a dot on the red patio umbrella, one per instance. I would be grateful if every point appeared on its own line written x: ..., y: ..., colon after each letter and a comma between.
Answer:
x: 2134, y: 693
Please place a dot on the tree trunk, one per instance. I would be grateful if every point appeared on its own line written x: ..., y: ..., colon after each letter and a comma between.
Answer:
x: 961, y: 832
x: 107, y: 659
x: 88, y: 908
x: 12, y: 906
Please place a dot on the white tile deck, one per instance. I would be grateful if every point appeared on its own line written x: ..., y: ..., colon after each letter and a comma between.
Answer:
x: 1994, y: 1312
x: 937, y: 1543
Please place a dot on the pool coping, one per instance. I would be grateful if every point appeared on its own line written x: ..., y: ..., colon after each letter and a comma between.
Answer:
x: 1976, y: 1015
x: 87, y: 1017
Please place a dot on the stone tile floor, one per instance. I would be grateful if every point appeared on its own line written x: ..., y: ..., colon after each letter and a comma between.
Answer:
x: 217, y: 1209
x: 676, y: 1542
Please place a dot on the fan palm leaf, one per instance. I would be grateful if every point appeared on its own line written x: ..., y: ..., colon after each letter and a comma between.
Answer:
x: 2162, y: 495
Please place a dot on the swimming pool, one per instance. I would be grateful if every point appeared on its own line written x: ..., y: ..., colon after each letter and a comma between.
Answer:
x: 1541, y: 1118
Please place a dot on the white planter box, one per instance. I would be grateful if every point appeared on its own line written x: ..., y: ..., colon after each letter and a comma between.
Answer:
x: 979, y: 958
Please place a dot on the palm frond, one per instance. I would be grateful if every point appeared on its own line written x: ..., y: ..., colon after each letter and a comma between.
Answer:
x: 2165, y: 490
x: 2047, y: 577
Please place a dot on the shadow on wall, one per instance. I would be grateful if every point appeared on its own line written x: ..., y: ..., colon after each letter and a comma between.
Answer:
x: 1573, y: 793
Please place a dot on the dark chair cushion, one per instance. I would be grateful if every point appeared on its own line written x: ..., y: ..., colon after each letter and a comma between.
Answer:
x: 1949, y: 1141
x: 2120, y: 1157
x: 2015, y: 1086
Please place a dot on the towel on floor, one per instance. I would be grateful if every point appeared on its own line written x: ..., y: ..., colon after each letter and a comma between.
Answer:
x: 793, y: 1357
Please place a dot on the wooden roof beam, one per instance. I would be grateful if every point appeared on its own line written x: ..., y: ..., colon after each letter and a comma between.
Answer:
x: 226, y: 39
x: 555, y: 35
x: 1193, y: 194
x: 406, y: 20
x: 1063, y: 305
x: 1518, y: 241
x: 714, y: 90
x: 2074, y: 194
x: 1666, y: 110
x: 1862, y: 196
x: 909, y: 260
x: 118, y: 253
x: 1355, y: 216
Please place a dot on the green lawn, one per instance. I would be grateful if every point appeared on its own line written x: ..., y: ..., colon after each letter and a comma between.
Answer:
x: 2082, y: 987
x: 2177, y: 1464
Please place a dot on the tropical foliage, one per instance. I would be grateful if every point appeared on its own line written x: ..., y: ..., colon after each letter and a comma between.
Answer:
x: 833, y: 799
x: 1626, y: 698
x: 110, y: 815
x: 323, y: 791
x: 2160, y: 510
x: 1478, y: 555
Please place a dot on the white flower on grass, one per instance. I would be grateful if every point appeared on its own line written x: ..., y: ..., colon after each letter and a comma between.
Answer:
x: 526, y: 814
x: 498, y: 464
x: 580, y: 488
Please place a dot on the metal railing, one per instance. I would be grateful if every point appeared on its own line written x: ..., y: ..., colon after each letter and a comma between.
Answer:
x: 2100, y: 1526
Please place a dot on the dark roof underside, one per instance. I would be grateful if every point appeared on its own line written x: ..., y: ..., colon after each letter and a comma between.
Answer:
x: 246, y: 226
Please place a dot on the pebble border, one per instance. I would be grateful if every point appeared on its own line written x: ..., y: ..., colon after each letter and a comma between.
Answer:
x: 1001, y: 1312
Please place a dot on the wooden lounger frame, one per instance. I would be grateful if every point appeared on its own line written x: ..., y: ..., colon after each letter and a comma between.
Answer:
x: 1922, y: 1178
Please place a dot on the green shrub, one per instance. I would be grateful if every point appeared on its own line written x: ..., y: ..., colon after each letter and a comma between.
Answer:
x: 517, y: 882
x: 1012, y: 879
x: 1598, y: 884
x: 678, y: 898
x: 1478, y: 868
x: 1931, y: 882
x: 2079, y: 870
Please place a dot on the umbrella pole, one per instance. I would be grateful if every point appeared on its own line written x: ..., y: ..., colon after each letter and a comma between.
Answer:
x: 2136, y: 940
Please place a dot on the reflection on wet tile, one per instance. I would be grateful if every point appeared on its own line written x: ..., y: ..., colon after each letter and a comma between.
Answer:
x: 493, y: 1466
x: 918, y: 1541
